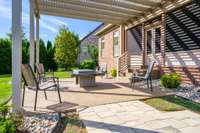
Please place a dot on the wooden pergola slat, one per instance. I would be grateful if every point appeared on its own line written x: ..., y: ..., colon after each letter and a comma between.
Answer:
x: 84, y: 9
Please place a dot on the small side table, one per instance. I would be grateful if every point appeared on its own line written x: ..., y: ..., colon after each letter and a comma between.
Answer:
x: 63, y: 107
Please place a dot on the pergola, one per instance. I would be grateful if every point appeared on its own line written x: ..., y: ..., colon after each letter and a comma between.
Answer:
x: 122, y: 12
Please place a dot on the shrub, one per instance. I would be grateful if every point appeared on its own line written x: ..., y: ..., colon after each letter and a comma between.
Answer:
x: 9, y: 121
x: 4, y: 110
x: 113, y: 72
x: 88, y: 64
x: 171, y: 81
x: 7, y: 125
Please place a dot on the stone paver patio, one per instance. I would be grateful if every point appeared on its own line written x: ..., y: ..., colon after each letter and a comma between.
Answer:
x: 138, y: 117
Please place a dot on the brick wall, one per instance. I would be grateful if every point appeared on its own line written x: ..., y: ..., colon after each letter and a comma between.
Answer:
x: 108, y: 57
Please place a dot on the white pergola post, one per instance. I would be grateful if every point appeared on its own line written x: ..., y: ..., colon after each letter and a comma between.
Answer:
x: 32, y: 43
x: 37, y: 39
x: 16, y: 53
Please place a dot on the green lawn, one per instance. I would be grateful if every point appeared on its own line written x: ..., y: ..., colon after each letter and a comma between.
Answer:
x: 172, y: 103
x: 5, y: 87
x: 5, y: 84
x: 63, y: 74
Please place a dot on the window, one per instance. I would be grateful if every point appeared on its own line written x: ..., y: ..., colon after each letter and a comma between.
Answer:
x: 85, y: 50
x: 102, y: 46
x: 116, y: 44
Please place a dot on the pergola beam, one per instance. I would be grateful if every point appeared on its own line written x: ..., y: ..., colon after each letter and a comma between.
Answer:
x: 102, y: 6
x: 61, y: 14
x: 166, y: 6
x: 84, y: 9
x: 125, y: 4
x: 83, y: 14
x: 152, y: 3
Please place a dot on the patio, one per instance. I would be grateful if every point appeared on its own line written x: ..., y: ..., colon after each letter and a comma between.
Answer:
x: 137, y: 117
x: 107, y: 91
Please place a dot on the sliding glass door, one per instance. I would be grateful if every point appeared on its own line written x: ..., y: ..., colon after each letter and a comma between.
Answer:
x: 152, y: 42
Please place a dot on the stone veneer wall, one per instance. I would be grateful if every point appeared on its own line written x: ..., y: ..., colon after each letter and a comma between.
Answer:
x: 84, y: 55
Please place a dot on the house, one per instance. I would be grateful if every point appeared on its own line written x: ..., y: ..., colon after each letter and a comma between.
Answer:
x: 89, y: 39
x: 172, y: 38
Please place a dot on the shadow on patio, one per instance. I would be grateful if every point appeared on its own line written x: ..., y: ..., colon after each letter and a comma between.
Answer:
x: 106, y: 91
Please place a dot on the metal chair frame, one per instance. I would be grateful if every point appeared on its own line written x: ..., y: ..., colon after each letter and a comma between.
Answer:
x: 36, y: 85
x: 147, y: 76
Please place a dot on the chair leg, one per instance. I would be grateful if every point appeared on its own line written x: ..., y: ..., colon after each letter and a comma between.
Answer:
x: 147, y: 83
x: 23, y: 95
x: 131, y: 84
x: 36, y: 94
x: 45, y: 94
x: 151, y: 84
x: 58, y: 88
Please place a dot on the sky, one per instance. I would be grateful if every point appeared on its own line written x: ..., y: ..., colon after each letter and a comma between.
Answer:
x: 49, y: 25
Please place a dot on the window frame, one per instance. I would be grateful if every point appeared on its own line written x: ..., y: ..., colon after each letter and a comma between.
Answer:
x: 118, y: 45
x: 102, y: 41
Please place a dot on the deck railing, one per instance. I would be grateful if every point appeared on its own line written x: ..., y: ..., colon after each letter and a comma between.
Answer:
x: 129, y: 60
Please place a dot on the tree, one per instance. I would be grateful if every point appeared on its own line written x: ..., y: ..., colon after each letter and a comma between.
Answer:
x: 43, y: 54
x: 25, y: 51
x: 93, y: 52
x: 51, y: 63
x: 66, y: 48
x: 5, y: 56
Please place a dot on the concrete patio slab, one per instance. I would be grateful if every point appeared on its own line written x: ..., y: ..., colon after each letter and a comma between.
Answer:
x: 106, y: 91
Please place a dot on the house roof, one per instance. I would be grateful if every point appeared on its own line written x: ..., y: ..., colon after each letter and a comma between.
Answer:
x: 93, y: 31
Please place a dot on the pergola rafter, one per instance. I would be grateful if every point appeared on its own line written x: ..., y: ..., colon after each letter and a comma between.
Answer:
x: 85, y: 9
x: 152, y: 3
x: 80, y: 15
x: 98, y: 4
x: 107, y: 11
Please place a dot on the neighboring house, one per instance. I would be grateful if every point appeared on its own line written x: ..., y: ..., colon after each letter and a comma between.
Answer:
x: 173, y: 39
x: 90, y: 39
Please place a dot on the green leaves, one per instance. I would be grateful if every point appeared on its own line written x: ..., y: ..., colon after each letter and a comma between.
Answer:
x: 88, y: 64
x: 66, y: 47
x: 171, y: 80
x: 113, y: 72
x: 93, y: 51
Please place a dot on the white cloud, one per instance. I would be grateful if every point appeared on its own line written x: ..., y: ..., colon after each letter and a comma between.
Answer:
x: 53, y: 20
x: 50, y: 24
x: 45, y: 25
x: 5, y: 12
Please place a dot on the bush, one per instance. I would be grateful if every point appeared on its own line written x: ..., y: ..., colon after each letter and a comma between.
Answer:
x: 7, y: 125
x: 9, y: 121
x: 88, y: 64
x: 171, y: 81
x: 113, y: 72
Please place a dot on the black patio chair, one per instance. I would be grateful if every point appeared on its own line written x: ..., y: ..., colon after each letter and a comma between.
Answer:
x: 146, y: 77
x: 31, y: 82
x: 42, y: 75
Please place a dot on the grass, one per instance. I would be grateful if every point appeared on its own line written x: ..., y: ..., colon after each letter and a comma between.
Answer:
x: 62, y: 74
x: 173, y: 103
x: 5, y: 87
x: 5, y: 84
